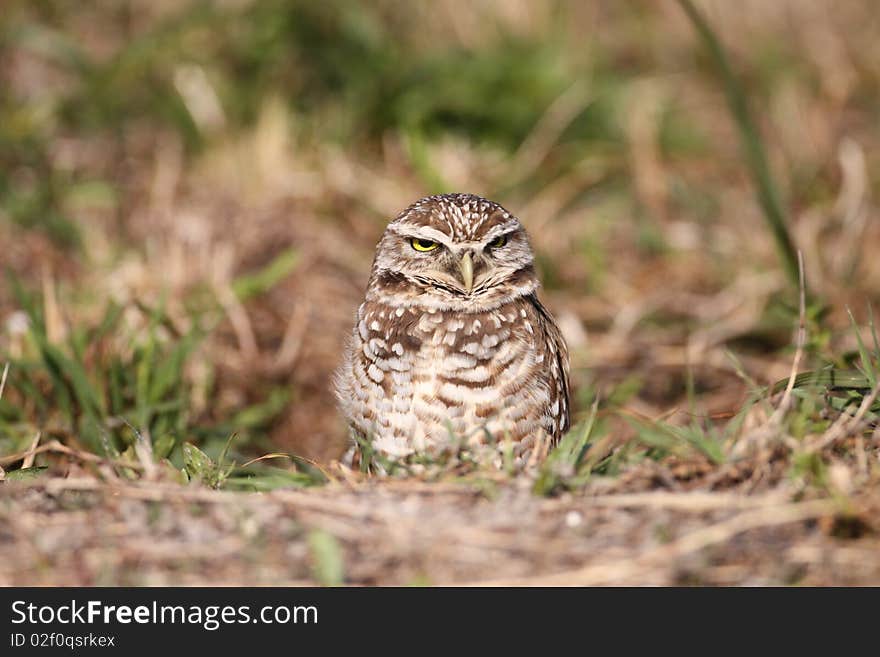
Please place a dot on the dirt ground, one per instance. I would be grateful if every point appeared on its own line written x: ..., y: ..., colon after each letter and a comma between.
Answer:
x: 78, y: 531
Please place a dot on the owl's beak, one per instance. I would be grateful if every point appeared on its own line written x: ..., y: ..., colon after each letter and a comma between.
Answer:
x: 466, y: 267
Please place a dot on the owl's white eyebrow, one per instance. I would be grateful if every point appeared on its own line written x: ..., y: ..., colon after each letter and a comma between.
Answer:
x: 503, y: 229
x: 422, y: 232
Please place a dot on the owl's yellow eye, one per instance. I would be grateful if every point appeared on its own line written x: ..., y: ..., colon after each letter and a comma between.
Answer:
x: 423, y: 245
x: 498, y: 242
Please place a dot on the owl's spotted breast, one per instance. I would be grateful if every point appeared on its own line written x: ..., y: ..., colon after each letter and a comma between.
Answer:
x: 418, y: 374
x: 451, y: 341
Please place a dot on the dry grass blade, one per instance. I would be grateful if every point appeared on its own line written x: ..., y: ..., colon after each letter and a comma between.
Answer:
x: 800, y: 342
x: 264, y: 458
x: 852, y: 205
x: 291, y: 344
x: 689, y: 501
x: 32, y: 451
x: 549, y: 128
x: 60, y: 448
x: 769, y: 429
x: 3, y: 379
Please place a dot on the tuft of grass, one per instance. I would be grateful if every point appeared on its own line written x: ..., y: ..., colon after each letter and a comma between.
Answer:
x: 198, y: 466
x: 252, y: 476
x: 103, y: 383
x: 867, y: 365
x: 263, y: 478
x: 566, y: 466
x: 664, y: 439
x: 842, y: 388
x: 118, y: 387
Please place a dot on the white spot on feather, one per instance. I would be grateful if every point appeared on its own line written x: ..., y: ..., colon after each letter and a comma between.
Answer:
x: 375, y: 373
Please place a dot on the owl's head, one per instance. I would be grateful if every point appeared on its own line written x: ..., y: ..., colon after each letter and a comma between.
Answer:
x: 453, y: 251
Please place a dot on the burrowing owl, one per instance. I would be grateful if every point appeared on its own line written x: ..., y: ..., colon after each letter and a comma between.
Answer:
x: 451, y: 340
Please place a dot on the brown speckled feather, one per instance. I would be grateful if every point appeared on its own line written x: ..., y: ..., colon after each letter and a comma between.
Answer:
x: 437, y: 353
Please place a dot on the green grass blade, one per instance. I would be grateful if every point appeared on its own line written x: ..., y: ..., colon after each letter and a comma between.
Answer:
x: 867, y: 363
x: 328, y: 564
x: 69, y: 372
x: 752, y: 145
x: 260, y: 282
x: 835, y: 379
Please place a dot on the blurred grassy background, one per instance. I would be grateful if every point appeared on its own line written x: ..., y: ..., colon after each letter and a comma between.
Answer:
x: 190, y: 193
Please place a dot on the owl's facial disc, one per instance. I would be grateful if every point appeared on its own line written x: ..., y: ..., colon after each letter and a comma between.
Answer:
x: 463, y: 268
x: 445, y: 265
x: 454, y: 251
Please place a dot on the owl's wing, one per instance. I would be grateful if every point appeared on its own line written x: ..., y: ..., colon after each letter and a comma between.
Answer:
x: 559, y: 358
